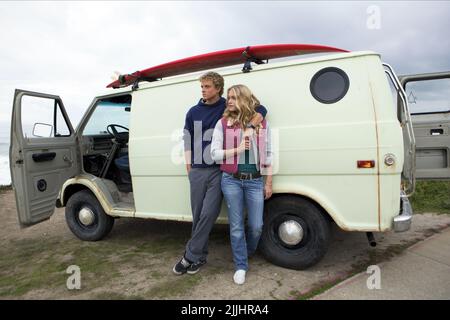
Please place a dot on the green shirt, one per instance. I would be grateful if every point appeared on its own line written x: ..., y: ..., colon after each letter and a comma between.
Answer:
x: 245, y: 165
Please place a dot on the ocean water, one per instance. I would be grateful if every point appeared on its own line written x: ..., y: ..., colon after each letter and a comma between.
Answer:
x: 5, y: 177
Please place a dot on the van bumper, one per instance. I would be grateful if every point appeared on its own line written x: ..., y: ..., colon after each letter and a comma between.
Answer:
x: 402, y: 222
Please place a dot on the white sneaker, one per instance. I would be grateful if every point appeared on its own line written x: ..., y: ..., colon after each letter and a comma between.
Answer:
x: 239, y: 277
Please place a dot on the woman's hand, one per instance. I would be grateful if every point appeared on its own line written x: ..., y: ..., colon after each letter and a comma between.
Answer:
x: 267, y: 190
x: 245, y: 145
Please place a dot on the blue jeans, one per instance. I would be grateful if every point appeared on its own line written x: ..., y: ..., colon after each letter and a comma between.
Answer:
x: 236, y: 193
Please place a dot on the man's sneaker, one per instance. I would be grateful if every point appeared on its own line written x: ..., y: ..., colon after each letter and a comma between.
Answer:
x: 195, y: 267
x: 181, y: 267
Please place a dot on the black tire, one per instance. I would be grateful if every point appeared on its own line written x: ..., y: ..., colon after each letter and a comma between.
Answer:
x: 316, y: 233
x: 102, y: 223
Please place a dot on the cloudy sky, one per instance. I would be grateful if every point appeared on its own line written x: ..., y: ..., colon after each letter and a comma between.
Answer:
x: 72, y: 48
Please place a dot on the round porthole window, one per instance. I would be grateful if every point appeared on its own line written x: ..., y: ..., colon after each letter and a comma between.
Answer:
x: 329, y: 85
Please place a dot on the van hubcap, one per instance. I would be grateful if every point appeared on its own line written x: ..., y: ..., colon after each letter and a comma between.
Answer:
x: 290, y: 232
x: 86, y: 216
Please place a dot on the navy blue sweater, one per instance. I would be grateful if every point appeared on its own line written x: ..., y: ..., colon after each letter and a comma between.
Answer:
x: 199, y: 127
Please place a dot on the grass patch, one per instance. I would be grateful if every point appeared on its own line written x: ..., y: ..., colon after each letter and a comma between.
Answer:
x: 431, y: 196
x: 32, y: 264
x: 29, y: 264
x: 156, y: 275
x: 318, y: 289
x: 174, y: 287
x: 115, y: 296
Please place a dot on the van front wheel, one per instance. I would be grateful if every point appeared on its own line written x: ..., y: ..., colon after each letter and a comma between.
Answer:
x: 296, y: 233
x: 86, y: 217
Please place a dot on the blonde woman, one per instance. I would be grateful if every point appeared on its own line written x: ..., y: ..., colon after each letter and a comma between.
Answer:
x: 245, y: 157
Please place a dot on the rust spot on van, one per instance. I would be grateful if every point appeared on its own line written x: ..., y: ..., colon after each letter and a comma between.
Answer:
x: 378, y: 157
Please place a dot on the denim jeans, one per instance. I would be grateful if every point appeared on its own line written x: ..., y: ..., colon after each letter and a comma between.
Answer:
x: 238, y: 193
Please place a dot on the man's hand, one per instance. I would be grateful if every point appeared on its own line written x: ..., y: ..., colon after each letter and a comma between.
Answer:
x: 257, y: 119
x: 187, y: 159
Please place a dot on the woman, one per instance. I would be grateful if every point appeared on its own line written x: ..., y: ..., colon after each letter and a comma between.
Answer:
x: 245, y: 157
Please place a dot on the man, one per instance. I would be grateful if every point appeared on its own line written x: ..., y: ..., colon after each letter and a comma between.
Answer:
x: 204, y: 174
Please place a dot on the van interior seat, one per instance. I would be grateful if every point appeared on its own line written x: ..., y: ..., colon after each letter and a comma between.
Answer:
x: 123, y: 163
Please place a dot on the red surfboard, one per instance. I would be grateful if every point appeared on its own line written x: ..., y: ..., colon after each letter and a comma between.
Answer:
x: 220, y: 59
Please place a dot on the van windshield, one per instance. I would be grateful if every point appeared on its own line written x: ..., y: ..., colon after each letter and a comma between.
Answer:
x: 113, y: 111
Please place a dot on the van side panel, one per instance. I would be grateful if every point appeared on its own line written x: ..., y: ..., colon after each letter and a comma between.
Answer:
x: 316, y: 145
x: 320, y: 144
x: 159, y: 177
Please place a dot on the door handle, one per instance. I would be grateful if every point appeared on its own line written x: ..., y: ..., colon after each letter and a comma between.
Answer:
x: 45, y: 156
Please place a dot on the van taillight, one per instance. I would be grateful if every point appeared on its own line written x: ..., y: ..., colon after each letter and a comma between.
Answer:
x: 366, y: 163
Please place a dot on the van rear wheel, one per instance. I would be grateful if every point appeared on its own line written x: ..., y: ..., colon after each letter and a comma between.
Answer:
x: 296, y: 233
x: 86, y: 217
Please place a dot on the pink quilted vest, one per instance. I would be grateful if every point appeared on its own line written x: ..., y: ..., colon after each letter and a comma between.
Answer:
x: 231, y: 139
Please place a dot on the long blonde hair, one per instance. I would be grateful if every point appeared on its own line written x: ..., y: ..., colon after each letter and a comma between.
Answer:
x: 246, y: 103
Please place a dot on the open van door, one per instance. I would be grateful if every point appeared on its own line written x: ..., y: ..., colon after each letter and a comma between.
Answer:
x: 429, y: 103
x: 43, y: 154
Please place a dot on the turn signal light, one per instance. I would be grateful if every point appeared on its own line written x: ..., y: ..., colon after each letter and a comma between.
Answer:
x: 366, y: 164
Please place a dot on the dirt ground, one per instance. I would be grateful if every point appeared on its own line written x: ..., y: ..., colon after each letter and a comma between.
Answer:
x: 135, y: 261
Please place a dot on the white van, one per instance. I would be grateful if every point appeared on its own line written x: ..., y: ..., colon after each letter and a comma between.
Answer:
x: 344, y: 153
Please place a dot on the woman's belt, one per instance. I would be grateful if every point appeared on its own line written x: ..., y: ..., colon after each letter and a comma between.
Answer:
x: 247, y: 175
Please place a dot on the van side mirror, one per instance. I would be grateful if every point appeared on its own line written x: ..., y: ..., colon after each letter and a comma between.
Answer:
x: 42, y: 130
x: 127, y: 109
